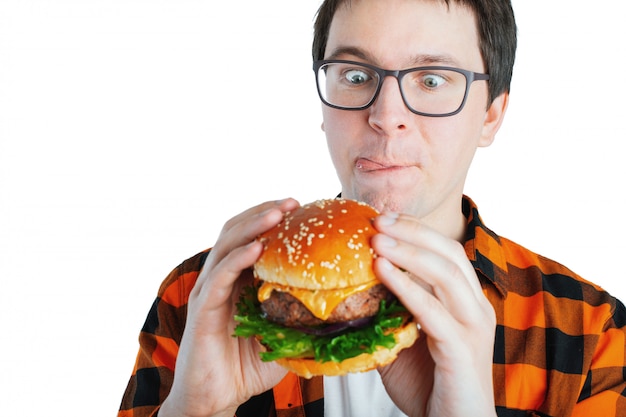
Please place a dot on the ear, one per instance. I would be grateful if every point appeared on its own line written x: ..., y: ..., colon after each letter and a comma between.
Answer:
x: 493, y: 119
x: 322, y: 127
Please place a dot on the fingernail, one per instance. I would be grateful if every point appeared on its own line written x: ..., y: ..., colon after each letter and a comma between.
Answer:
x: 385, y: 264
x: 387, y: 219
x: 284, y: 201
x: 384, y: 240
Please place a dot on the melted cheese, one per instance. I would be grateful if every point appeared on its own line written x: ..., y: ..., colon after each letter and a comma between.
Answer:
x: 320, y: 302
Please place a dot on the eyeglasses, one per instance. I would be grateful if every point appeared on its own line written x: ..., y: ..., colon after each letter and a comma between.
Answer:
x: 434, y: 91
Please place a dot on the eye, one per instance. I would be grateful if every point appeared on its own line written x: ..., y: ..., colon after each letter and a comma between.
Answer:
x: 433, y: 81
x: 356, y: 76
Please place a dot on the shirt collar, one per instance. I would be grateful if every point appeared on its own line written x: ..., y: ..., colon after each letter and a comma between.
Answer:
x: 484, y: 250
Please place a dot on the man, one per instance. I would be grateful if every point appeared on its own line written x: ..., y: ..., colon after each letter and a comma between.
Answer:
x: 504, y: 331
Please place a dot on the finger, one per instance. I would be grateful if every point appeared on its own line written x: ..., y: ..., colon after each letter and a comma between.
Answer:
x: 434, y: 319
x: 411, y: 230
x: 236, y: 249
x: 226, y: 272
x: 443, y: 273
x: 283, y: 205
x: 246, y: 226
x: 436, y: 275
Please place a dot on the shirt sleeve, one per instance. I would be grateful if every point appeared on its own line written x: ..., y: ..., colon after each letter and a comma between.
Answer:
x: 159, y: 340
x: 604, y: 389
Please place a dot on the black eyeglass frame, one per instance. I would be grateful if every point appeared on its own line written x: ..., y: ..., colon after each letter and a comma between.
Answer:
x: 470, y: 77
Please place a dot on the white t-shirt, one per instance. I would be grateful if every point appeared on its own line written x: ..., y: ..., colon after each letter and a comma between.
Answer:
x: 358, y: 395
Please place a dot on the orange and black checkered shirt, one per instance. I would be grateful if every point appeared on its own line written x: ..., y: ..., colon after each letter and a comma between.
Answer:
x: 559, y: 346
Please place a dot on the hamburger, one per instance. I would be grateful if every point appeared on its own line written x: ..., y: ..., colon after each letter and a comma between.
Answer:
x: 316, y: 305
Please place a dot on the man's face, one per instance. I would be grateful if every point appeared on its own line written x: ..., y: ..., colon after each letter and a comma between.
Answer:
x: 386, y: 155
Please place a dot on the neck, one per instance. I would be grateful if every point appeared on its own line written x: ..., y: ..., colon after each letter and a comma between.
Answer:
x: 450, y: 223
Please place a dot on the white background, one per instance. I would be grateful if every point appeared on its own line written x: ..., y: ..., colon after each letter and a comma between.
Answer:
x: 130, y: 130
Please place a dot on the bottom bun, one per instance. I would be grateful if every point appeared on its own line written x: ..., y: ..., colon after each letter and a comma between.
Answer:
x: 308, y: 368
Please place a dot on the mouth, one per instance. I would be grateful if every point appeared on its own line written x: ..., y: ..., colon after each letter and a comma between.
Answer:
x: 369, y: 165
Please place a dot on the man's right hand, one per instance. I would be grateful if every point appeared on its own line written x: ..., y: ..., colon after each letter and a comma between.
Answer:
x: 216, y: 372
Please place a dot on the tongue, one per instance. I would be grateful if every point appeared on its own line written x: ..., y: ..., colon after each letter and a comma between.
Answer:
x: 363, y: 164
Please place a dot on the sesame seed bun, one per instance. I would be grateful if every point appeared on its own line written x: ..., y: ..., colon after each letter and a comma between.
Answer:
x: 321, y: 245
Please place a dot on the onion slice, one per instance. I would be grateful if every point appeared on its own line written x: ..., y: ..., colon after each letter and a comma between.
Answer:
x: 337, y: 327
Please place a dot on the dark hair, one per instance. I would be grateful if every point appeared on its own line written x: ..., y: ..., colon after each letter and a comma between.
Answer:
x: 497, y: 33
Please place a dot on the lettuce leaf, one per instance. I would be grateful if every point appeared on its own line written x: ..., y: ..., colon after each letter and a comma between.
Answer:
x: 286, y: 342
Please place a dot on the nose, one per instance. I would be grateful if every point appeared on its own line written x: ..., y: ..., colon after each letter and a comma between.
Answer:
x: 388, y: 114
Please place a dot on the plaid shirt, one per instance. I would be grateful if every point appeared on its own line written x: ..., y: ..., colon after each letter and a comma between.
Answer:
x: 559, y: 346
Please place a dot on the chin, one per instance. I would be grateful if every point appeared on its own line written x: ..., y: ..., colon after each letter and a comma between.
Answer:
x: 384, y: 201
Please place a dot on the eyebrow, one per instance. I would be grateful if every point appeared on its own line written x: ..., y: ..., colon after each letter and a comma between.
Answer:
x: 430, y: 59
x: 416, y: 60
x: 339, y: 52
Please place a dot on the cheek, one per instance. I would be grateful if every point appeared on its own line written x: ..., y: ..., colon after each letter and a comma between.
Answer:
x: 475, y: 111
x: 464, y: 130
x: 340, y: 127
x: 333, y: 120
x: 452, y: 141
x: 335, y: 134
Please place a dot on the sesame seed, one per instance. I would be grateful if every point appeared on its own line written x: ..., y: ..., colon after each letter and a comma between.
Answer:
x: 328, y: 265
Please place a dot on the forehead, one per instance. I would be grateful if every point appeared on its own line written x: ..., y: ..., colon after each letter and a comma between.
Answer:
x: 397, y: 34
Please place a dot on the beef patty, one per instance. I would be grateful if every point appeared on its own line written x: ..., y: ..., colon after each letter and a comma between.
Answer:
x: 285, y: 309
